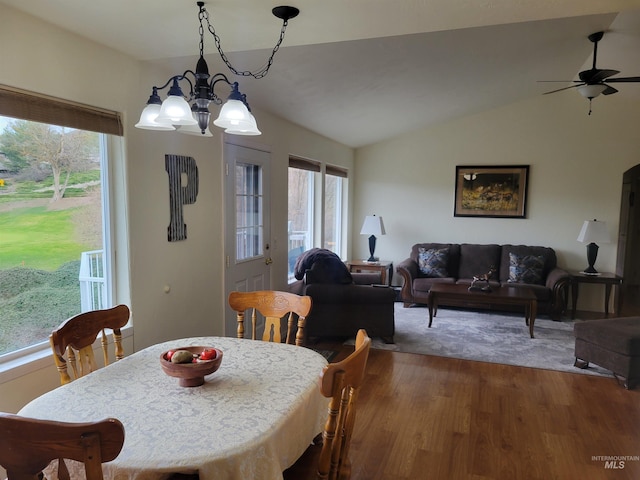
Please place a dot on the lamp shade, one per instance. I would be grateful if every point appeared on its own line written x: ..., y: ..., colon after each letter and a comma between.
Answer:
x: 195, y: 129
x: 372, y: 226
x: 232, y: 114
x: 148, y: 119
x: 246, y: 127
x: 594, y: 231
x: 177, y: 111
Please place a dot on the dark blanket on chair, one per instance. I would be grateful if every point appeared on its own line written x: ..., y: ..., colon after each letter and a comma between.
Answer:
x: 327, y: 267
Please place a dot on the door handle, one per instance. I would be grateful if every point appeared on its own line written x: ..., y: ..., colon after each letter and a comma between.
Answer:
x: 268, y: 261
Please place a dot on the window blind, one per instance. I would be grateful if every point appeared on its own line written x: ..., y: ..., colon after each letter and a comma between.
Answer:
x: 304, y: 164
x: 336, y: 171
x: 36, y: 107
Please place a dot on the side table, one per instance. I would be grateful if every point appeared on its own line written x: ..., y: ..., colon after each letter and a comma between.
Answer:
x: 385, y: 268
x: 606, y: 279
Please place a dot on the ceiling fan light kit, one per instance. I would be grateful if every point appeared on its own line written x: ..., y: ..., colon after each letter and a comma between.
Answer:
x: 175, y: 113
x: 592, y: 81
x: 591, y: 91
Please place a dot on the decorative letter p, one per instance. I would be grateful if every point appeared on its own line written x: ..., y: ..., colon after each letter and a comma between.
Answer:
x: 176, y: 165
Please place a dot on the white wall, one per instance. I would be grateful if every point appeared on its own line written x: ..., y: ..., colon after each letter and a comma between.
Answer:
x: 577, y: 162
x: 41, y: 58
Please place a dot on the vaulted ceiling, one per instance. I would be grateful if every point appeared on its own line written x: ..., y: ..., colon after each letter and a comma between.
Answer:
x: 361, y: 71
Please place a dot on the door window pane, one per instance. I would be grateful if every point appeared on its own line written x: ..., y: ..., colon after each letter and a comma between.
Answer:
x: 249, y: 212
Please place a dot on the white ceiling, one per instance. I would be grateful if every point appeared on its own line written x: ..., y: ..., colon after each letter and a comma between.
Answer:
x: 361, y: 71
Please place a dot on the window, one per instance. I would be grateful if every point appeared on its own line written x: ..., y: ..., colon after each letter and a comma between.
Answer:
x: 333, y: 188
x: 55, y: 253
x: 315, y: 208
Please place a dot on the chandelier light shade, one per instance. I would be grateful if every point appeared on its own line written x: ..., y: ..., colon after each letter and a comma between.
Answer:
x: 235, y: 115
x: 372, y: 226
x: 590, y: 233
x: 175, y: 110
x: 194, y: 129
x: 149, y: 116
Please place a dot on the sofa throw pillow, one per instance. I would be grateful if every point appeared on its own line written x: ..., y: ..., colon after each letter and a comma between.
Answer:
x: 526, y: 269
x: 433, y: 262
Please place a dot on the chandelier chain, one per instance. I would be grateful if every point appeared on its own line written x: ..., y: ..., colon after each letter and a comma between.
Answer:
x: 260, y: 73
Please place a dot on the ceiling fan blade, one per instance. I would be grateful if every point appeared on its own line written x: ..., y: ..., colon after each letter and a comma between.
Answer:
x: 596, y: 75
x: 609, y: 90
x: 624, y: 79
x: 564, y: 88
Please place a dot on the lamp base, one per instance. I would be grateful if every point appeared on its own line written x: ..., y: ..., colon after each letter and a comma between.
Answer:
x: 590, y: 273
x: 592, y: 254
x: 372, y: 248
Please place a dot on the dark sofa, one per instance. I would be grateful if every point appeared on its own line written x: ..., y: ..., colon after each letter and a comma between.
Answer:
x: 514, y: 265
x: 343, y: 302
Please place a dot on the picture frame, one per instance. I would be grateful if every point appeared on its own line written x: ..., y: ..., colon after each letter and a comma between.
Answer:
x: 491, y: 191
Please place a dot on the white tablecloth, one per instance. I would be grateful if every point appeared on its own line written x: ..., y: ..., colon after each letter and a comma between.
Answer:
x: 250, y: 420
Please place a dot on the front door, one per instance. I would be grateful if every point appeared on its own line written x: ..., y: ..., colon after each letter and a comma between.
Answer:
x: 247, y: 226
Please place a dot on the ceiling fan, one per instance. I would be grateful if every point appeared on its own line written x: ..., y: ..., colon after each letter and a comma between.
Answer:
x: 592, y: 81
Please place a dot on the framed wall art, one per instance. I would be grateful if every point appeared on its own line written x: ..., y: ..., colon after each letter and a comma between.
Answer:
x: 491, y: 191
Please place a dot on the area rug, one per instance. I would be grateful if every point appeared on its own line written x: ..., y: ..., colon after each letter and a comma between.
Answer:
x: 488, y: 337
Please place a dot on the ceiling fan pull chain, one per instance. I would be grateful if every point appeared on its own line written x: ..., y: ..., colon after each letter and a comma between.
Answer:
x: 590, y: 100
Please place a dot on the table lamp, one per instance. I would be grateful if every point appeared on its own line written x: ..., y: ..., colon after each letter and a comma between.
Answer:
x: 592, y: 232
x: 372, y: 226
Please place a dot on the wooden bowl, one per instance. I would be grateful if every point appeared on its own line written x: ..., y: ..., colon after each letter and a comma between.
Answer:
x: 191, y: 374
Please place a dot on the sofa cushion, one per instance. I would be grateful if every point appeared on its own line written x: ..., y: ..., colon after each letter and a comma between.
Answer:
x: 423, y: 285
x: 433, y: 262
x: 478, y: 259
x: 526, y: 269
x: 322, y: 266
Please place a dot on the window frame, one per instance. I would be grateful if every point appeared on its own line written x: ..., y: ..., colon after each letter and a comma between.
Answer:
x: 24, y: 105
x: 317, y: 201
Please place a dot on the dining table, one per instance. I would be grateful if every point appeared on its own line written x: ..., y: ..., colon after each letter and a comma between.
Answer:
x: 251, y: 419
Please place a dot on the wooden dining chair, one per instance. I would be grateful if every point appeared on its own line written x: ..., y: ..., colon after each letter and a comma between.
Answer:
x: 274, y: 306
x: 28, y: 445
x: 341, y: 383
x: 74, y: 339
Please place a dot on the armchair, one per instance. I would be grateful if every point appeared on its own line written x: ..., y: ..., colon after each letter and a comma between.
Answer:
x: 342, y: 305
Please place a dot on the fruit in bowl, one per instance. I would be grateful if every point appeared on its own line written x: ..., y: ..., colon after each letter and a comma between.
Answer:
x: 191, y: 364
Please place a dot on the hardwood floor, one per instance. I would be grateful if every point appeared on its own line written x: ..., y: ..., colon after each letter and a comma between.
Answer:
x: 427, y: 417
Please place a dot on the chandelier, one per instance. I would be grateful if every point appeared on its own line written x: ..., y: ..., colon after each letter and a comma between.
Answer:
x: 235, y: 115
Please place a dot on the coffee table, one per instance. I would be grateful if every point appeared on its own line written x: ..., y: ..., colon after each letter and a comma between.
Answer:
x: 442, y: 293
